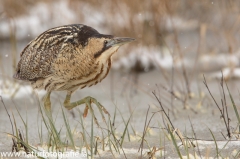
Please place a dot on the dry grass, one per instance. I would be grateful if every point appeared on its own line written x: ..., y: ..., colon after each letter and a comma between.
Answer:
x: 153, y: 23
x: 148, y: 22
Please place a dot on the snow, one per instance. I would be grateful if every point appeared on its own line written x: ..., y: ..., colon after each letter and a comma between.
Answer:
x: 43, y: 16
x: 106, y: 152
x: 221, y: 59
x: 140, y: 54
x: 11, y: 89
x: 148, y: 56
x: 226, y: 73
x: 37, y: 20
x: 221, y: 144
x: 135, y: 151
x: 172, y: 23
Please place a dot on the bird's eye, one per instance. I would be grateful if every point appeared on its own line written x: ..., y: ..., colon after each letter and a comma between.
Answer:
x: 105, y: 42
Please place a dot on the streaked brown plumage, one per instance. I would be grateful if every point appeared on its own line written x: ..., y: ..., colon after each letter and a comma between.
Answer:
x: 66, y: 58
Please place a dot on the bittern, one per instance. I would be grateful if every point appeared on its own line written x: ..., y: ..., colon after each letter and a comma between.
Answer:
x: 66, y: 58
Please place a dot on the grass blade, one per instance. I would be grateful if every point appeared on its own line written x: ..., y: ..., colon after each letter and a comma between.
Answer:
x: 68, y: 129
x: 214, y: 139
x: 126, y: 129
x: 234, y: 105
x: 174, y: 142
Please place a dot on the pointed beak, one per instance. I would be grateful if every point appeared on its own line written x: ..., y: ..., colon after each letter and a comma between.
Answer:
x: 118, y: 41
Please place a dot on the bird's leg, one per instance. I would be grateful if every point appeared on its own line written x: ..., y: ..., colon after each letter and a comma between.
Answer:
x: 47, y: 104
x: 87, y: 100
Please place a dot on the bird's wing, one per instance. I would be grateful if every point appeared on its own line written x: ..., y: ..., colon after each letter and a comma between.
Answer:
x: 36, y: 63
x: 39, y: 55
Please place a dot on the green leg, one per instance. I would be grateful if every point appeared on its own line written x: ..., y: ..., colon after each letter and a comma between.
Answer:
x: 47, y: 104
x: 87, y: 100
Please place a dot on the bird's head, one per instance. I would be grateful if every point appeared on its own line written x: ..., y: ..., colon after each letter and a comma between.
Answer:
x: 100, y: 46
x: 104, y: 46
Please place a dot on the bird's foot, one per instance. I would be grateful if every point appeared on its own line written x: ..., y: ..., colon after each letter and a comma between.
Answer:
x: 88, y: 101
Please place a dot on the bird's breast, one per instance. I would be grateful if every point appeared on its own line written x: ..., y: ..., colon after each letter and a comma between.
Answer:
x: 100, y: 72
